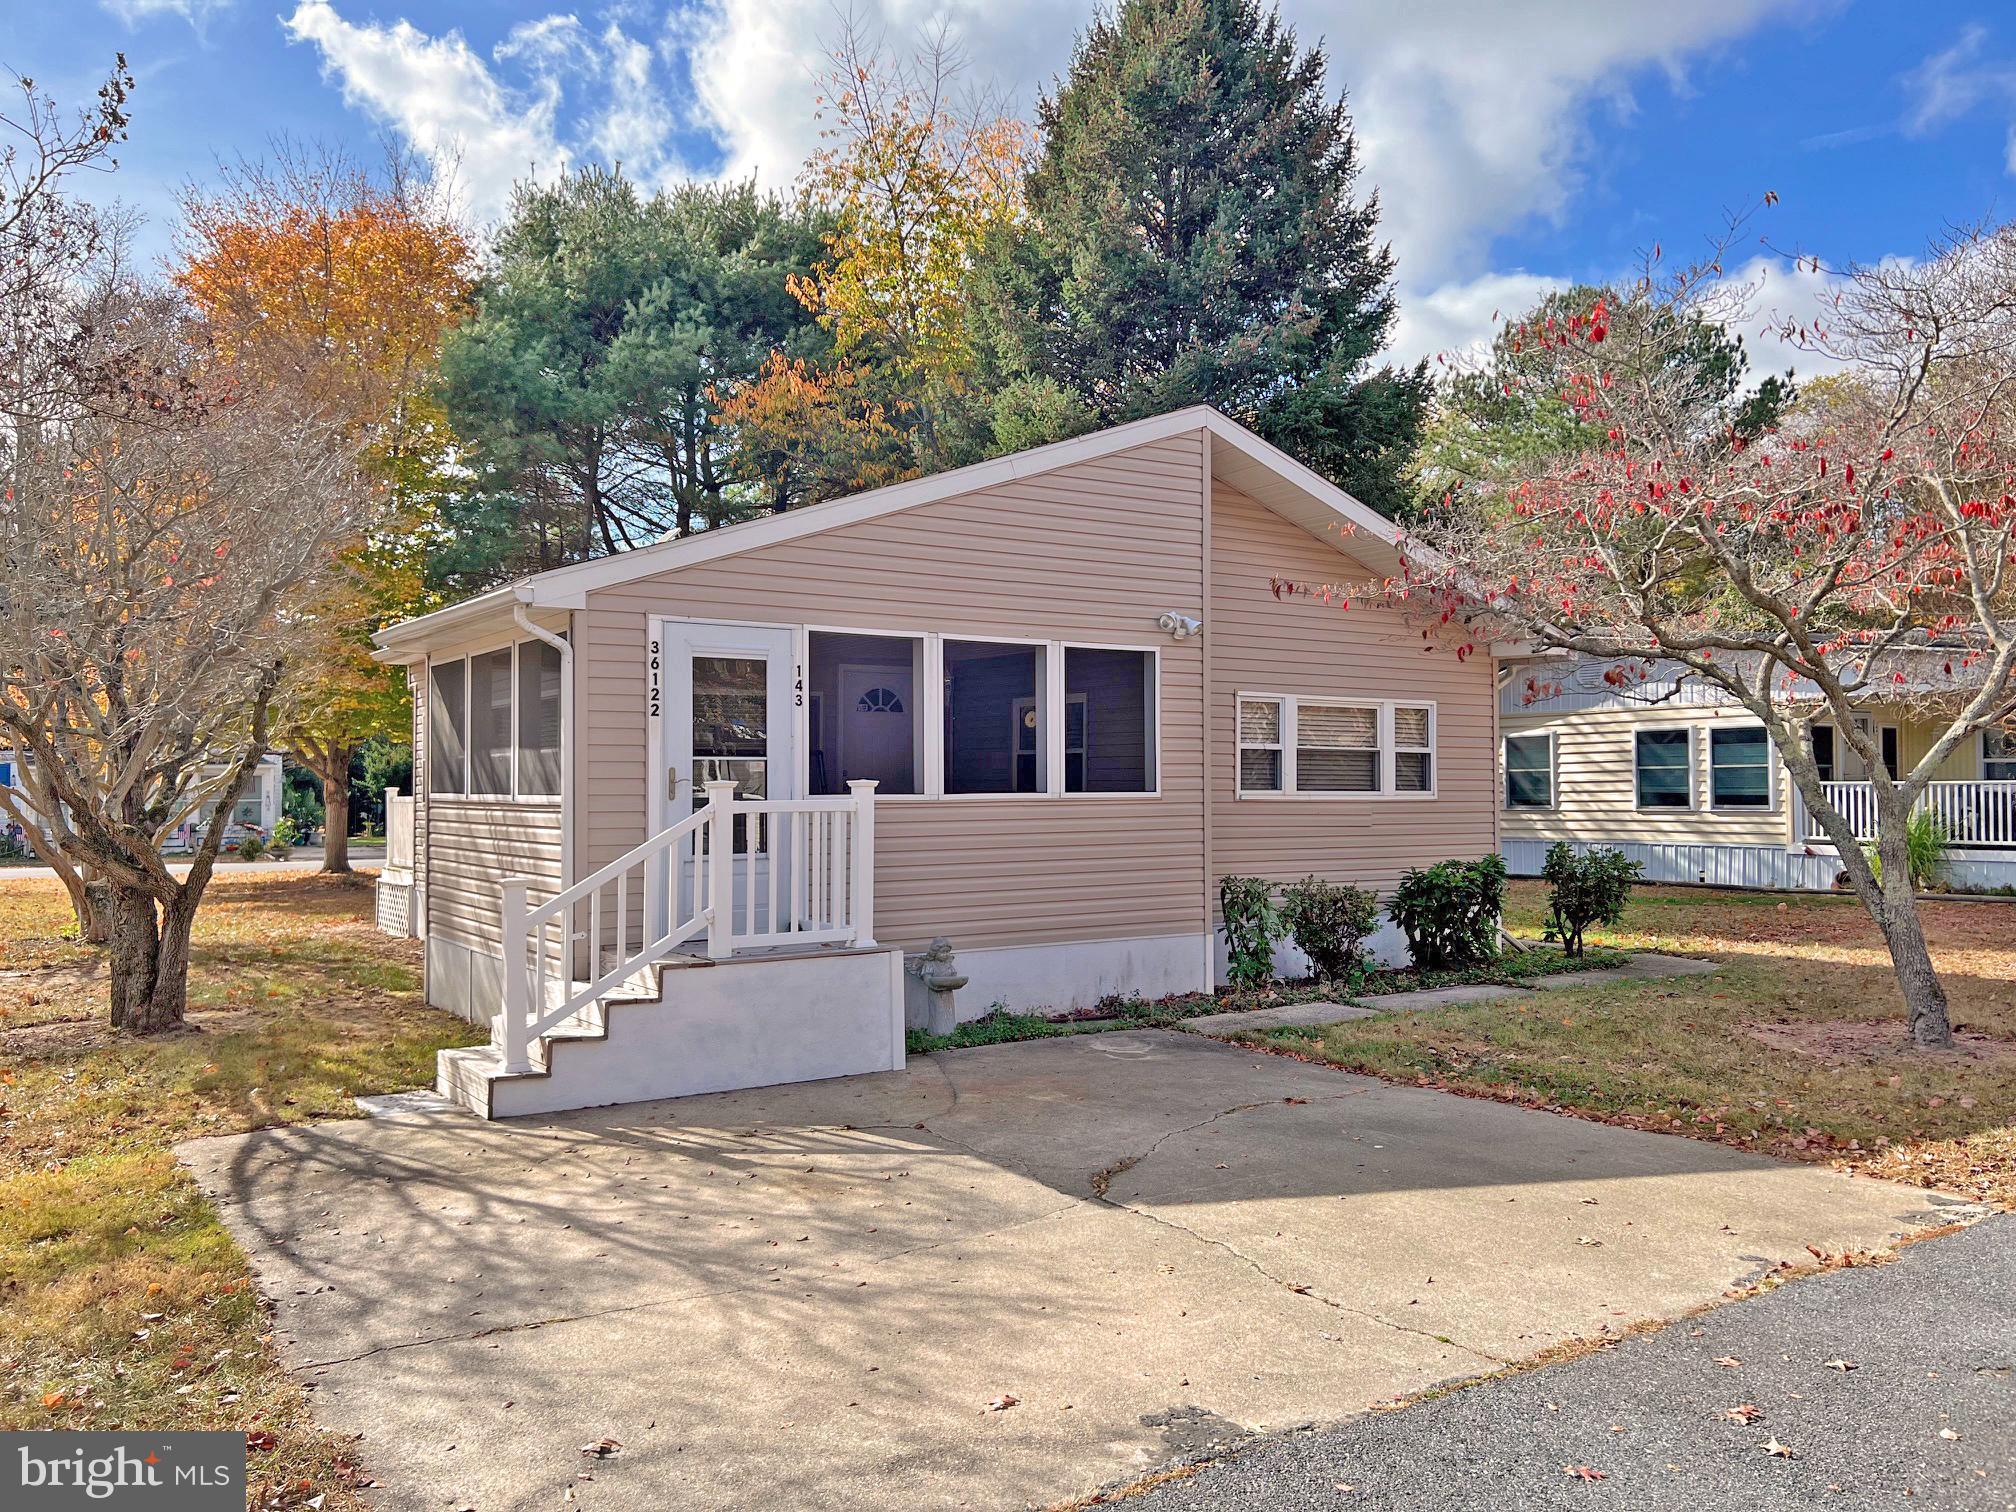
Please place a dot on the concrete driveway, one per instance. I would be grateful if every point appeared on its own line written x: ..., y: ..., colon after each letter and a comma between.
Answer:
x: 809, y: 1296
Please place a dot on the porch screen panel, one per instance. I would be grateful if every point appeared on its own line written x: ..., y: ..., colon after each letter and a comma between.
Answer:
x: 538, y: 720
x: 1739, y: 769
x: 1336, y: 748
x: 447, y: 748
x: 490, y: 731
x: 1109, y: 721
x: 865, y: 714
x: 996, y: 729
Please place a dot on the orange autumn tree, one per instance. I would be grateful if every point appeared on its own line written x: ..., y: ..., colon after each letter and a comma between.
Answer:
x: 917, y: 173
x: 341, y: 285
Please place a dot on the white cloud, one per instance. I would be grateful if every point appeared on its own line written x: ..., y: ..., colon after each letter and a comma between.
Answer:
x: 1958, y: 81
x: 443, y: 99
x: 195, y: 12
x: 1474, y: 115
x: 1457, y: 320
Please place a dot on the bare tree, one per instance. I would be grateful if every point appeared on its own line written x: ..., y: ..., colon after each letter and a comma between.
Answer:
x: 1859, y: 549
x: 163, y: 523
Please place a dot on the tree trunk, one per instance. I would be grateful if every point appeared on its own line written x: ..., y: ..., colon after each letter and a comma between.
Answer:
x: 94, y: 924
x: 1924, y: 993
x: 336, y: 824
x: 149, y: 959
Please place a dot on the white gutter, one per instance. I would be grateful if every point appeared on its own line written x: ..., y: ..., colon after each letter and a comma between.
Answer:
x: 565, y: 647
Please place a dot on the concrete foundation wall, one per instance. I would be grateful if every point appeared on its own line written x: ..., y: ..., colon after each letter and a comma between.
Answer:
x: 462, y: 981
x: 747, y: 1023
x: 1077, y: 973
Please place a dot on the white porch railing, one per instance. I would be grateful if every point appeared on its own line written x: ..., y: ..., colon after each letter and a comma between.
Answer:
x: 1971, y: 813
x: 398, y: 831
x: 801, y: 872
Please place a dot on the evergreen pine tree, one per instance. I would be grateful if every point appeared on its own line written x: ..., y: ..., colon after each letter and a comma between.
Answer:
x: 1195, y: 239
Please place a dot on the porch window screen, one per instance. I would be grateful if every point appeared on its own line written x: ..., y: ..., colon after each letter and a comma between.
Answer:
x: 538, y: 720
x: 447, y: 748
x: 996, y: 728
x: 490, y: 732
x: 1109, y: 721
x: 1665, y: 776
x: 865, y: 712
x: 1413, y: 761
x: 1260, y: 761
x: 1739, y: 769
x: 1336, y: 748
x: 1823, y: 751
x: 1529, y: 771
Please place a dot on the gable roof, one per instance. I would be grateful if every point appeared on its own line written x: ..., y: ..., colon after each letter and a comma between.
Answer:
x: 1240, y: 458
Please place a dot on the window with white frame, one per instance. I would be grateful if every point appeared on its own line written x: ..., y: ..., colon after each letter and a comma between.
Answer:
x: 1998, y: 755
x: 1324, y: 747
x: 1739, y: 768
x: 1336, y: 747
x: 1529, y: 771
x: 493, y: 723
x: 1665, y: 769
x: 1262, y: 762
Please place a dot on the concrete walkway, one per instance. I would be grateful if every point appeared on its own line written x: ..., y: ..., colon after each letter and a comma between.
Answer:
x: 1643, y: 967
x: 1925, y: 1418
x: 304, y: 859
x: 1001, y: 1277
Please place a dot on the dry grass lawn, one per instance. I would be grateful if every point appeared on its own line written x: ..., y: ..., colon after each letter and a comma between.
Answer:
x: 123, y: 1301
x: 1796, y: 1046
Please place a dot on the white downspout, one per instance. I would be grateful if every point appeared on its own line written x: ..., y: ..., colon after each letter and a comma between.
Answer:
x: 565, y: 647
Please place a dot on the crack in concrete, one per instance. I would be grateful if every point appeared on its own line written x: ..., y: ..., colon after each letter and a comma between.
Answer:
x: 1102, y: 1181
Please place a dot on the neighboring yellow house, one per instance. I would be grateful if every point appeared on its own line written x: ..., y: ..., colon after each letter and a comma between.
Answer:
x: 1683, y: 779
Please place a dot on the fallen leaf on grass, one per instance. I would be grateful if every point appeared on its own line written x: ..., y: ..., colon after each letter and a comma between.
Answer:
x: 259, y: 1438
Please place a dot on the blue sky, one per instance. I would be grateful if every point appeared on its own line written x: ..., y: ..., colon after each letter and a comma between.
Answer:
x: 1515, y: 143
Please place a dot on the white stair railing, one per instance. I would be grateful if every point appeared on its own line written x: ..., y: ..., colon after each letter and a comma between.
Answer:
x: 801, y: 872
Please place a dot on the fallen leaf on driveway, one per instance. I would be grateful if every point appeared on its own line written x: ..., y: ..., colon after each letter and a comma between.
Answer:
x: 1583, y: 1472
x: 1948, y: 1433
x: 1780, y: 1451
x: 1003, y: 1402
x: 1842, y: 1365
x: 1749, y: 1412
x: 603, y: 1448
x: 1727, y: 1362
x: 1592, y: 1243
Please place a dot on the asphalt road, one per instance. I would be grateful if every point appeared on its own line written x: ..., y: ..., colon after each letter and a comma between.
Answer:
x: 1928, y: 1413
x: 305, y: 859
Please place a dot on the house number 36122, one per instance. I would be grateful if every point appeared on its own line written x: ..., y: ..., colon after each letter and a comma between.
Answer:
x: 657, y: 680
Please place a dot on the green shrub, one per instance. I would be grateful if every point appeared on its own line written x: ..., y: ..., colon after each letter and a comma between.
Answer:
x: 1450, y: 911
x: 1331, y: 922
x: 1585, y: 889
x: 251, y: 846
x: 1252, y: 927
x: 1925, y: 842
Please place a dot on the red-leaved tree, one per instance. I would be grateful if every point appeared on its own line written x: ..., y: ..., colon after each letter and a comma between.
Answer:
x: 1861, y: 548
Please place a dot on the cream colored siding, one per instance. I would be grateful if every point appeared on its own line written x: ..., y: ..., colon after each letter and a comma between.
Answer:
x: 474, y: 843
x: 1093, y: 552
x: 417, y: 680
x: 1596, y: 789
x: 1300, y: 646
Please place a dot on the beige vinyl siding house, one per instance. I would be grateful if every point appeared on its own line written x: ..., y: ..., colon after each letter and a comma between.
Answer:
x: 1040, y: 662
x: 1681, y: 778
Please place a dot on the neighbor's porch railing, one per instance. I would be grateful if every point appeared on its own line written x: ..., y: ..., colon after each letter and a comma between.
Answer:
x: 801, y: 872
x: 1971, y: 813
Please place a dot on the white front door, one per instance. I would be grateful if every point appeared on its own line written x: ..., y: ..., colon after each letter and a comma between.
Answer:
x: 724, y: 696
